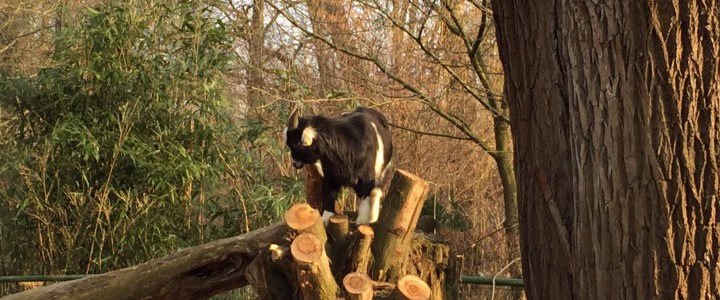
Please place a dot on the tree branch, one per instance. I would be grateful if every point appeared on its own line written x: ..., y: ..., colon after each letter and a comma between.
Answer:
x: 458, y: 123
x: 430, y: 133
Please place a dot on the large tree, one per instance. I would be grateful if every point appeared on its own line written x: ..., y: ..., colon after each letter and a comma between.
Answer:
x: 615, y: 110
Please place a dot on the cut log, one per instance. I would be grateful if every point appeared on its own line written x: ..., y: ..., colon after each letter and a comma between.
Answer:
x: 396, y: 224
x: 358, y: 286
x: 192, y: 273
x: 313, y: 268
x: 313, y: 187
x: 338, y: 228
x: 411, y: 287
x: 361, y: 254
x: 302, y: 218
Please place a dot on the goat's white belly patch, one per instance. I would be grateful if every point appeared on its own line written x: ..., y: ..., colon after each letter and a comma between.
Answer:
x: 379, y: 154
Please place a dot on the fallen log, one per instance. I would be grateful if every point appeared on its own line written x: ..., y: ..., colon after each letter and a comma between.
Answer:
x: 193, y: 273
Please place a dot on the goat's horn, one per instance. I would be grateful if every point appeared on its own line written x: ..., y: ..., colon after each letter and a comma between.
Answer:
x: 294, y: 118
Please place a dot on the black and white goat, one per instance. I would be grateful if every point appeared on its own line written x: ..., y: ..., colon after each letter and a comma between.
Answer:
x: 352, y: 150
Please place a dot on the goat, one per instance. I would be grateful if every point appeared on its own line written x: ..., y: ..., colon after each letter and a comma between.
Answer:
x: 352, y: 150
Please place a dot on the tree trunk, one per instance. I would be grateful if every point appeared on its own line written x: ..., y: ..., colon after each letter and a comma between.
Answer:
x: 256, y: 44
x: 615, y: 109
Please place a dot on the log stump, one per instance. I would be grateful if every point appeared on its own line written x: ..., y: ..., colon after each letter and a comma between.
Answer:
x: 313, y: 268
x: 411, y: 287
x: 358, y: 286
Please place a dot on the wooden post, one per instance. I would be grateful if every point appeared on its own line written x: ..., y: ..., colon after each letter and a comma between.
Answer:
x: 302, y: 218
x: 313, y: 268
x: 396, y: 224
x: 411, y: 287
x: 358, y: 286
x: 313, y: 187
x: 361, y: 254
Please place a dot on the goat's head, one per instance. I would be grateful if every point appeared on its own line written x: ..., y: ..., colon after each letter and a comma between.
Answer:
x: 300, y: 138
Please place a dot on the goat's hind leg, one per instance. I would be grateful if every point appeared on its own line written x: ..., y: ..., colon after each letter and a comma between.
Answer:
x: 366, y: 211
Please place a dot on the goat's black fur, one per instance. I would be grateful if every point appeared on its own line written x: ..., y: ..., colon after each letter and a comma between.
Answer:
x: 346, y: 148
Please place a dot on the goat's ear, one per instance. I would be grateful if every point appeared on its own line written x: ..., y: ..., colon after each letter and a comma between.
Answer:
x: 308, y: 136
x: 294, y: 119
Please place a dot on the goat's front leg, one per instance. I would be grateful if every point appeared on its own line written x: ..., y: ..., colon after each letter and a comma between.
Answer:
x: 330, y: 194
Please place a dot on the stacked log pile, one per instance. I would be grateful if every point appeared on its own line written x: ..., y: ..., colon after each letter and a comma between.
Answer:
x: 299, y: 258
x: 385, y: 260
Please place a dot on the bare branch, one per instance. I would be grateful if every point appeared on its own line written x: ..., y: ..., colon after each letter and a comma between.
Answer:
x: 430, y: 133
x: 458, y: 123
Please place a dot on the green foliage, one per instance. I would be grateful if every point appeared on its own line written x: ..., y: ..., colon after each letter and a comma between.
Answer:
x: 111, y: 154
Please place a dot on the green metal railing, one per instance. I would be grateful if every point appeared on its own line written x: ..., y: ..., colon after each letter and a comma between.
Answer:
x: 512, y: 282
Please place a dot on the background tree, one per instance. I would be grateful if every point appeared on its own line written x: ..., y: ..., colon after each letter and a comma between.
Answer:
x: 436, y: 58
x: 615, y: 110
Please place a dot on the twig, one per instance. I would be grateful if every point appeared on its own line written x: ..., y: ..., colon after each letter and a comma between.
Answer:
x: 498, y: 273
x: 431, y: 133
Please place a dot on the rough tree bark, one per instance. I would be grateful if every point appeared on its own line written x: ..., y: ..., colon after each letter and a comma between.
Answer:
x: 614, y: 109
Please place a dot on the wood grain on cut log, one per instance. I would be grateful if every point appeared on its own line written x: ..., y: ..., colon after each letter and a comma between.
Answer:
x: 313, y: 268
x: 313, y: 187
x: 396, y: 224
x: 302, y: 218
x: 411, y: 287
x: 361, y: 255
x: 358, y: 286
x: 192, y: 273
